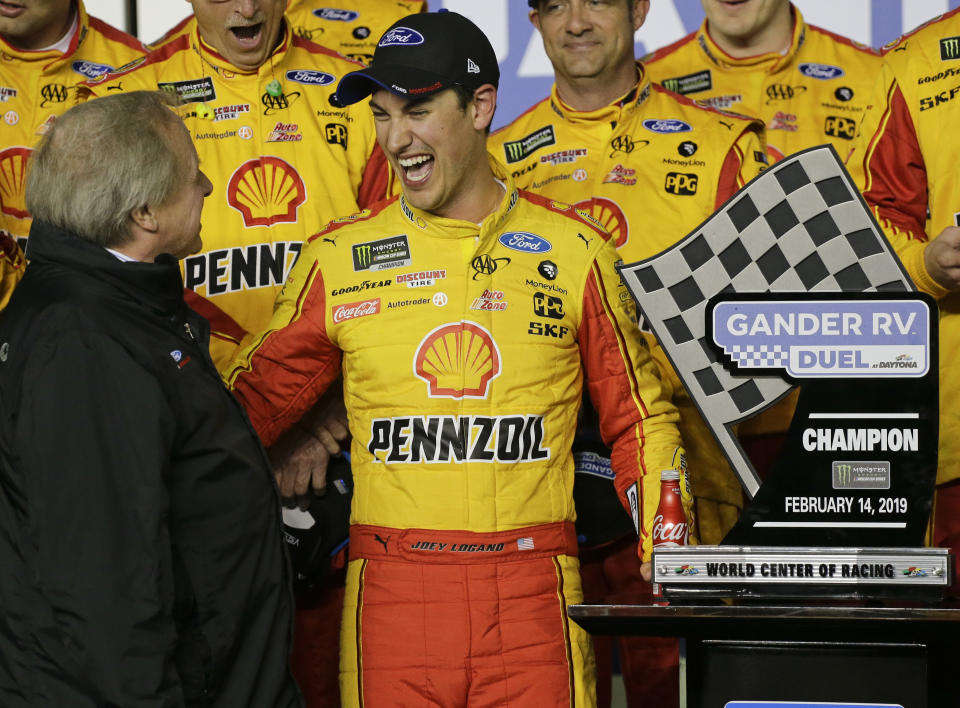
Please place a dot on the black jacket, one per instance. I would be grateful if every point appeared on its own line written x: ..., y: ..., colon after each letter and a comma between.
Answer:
x: 141, y: 560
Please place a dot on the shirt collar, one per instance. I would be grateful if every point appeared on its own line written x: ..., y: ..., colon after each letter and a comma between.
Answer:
x: 62, y: 49
x: 769, y: 61
x: 611, y: 113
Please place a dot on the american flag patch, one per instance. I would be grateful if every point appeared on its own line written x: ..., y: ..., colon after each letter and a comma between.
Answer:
x: 525, y: 543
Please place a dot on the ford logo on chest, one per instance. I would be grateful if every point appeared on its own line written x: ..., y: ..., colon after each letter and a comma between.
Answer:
x: 525, y: 242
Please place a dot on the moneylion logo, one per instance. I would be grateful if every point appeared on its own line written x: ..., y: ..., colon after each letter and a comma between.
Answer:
x: 53, y: 93
x: 949, y: 48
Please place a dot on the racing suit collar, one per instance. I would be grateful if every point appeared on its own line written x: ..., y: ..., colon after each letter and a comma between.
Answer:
x: 442, y: 227
x: 51, y: 56
x: 770, y: 61
x: 611, y: 113
x: 214, y: 59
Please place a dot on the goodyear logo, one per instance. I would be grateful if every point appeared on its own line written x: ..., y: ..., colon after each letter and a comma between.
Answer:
x: 681, y: 183
x: 310, y: 77
x: 690, y: 83
x: 840, y: 127
x: 192, y: 90
x: 392, y: 252
x: 516, y: 150
x: 949, y: 48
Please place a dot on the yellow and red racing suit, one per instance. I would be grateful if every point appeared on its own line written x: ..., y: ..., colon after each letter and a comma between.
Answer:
x: 282, y: 166
x: 650, y: 167
x: 905, y: 164
x: 464, y: 349
x: 35, y: 88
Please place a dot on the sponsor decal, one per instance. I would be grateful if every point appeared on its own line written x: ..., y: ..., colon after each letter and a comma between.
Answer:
x: 547, y: 306
x: 548, y: 287
x: 525, y: 242
x: 949, y: 48
x: 361, y: 32
x: 179, y: 358
x: 626, y: 144
x: 844, y: 93
x: 266, y: 190
x: 524, y: 170
x: 336, y: 134
x: 824, y: 72
x: 353, y: 310
x: 485, y: 265
x: 13, y: 168
x: 272, y: 104
x: 215, y: 136
x: 363, y: 285
x: 687, y: 148
x: 191, y: 90
x: 840, y: 127
x: 418, y: 439
x: 690, y: 83
x: 457, y: 360
x: 667, y: 126
x: 400, y: 304
x: 230, y: 112
x: 564, y: 156
x: 45, y: 127
x: 50, y: 93
x: 681, y: 183
x: 422, y: 278
x: 783, y: 121
x: 491, y: 300
x: 824, y: 338
x: 11, y: 117
x: 440, y: 299
x: 285, y: 133
x: 759, y: 156
x: 90, y: 69
x: 245, y: 132
x: 621, y: 175
x: 720, y: 102
x: 945, y: 74
x: 547, y: 329
x: 384, y: 253
x: 400, y: 37
x: 340, y: 115
x: 335, y: 14
x: 579, y: 175
x: 310, y: 77
x: 6, y: 93
x: 858, y: 474
x: 928, y: 102
x: 586, y: 241
x: 517, y: 150
x: 548, y: 269
x: 783, y: 92
x: 607, y: 214
x: 592, y: 463
x: 683, y: 163
x: 232, y: 270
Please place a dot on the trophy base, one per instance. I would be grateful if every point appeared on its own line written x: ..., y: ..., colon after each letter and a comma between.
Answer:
x: 692, y: 573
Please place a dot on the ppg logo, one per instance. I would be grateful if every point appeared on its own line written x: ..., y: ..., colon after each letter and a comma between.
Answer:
x: 525, y: 242
x: 332, y: 13
x: 681, y: 184
x: 820, y: 71
x: 667, y: 126
x: 840, y: 127
x: 401, y: 37
x: 311, y: 78
x: 90, y: 69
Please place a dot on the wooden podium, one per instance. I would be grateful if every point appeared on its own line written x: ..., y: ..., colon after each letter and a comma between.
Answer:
x: 780, y: 656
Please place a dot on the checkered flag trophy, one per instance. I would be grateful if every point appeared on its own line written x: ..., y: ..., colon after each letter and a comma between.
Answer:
x: 801, y: 226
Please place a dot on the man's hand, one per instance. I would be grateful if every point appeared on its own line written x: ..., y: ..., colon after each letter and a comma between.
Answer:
x: 942, y: 258
x: 646, y: 571
x: 301, y: 455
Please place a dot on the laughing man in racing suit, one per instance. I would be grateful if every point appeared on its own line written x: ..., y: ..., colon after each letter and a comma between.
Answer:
x: 283, y: 160
x: 905, y: 163
x: 651, y: 166
x: 463, y: 369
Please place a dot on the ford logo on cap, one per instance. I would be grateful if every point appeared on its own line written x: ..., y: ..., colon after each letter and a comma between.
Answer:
x: 525, y: 242
x: 310, y: 77
x: 657, y: 125
x: 821, y: 71
x: 400, y: 37
x: 90, y: 69
x: 332, y: 13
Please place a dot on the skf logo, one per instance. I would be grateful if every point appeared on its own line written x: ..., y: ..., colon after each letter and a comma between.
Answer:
x: 457, y: 360
x: 783, y: 92
x: 336, y: 134
x: 547, y: 306
x: 840, y: 127
x: 681, y: 184
x: 272, y: 104
x: 53, y: 93
x: 545, y: 329
x: 13, y: 181
x: 266, y: 190
x: 949, y: 48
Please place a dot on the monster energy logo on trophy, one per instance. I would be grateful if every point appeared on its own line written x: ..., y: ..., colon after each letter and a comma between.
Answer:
x: 949, y: 48
x: 393, y: 252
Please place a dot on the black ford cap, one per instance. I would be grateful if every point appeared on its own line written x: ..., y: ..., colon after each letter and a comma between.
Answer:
x: 424, y: 53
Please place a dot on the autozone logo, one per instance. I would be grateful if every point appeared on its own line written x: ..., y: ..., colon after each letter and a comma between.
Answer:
x: 681, y: 183
x: 353, y: 310
x: 465, y: 438
x: 840, y: 127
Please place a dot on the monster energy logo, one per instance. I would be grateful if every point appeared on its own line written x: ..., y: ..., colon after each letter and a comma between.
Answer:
x: 362, y: 256
x: 393, y: 252
x: 690, y: 83
x: 949, y: 48
x: 861, y: 475
x: 844, y: 475
x: 516, y: 150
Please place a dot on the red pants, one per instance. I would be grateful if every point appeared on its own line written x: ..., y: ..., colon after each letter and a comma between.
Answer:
x: 650, y: 665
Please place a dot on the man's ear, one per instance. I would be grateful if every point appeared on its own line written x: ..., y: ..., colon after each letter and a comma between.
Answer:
x: 534, y: 16
x: 484, y: 104
x: 145, y: 218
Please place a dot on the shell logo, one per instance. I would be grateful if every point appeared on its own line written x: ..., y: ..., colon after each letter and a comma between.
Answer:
x: 457, y: 360
x: 610, y: 215
x: 266, y: 190
x: 13, y: 180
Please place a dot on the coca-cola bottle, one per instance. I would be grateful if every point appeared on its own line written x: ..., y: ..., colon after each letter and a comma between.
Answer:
x: 670, y: 526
